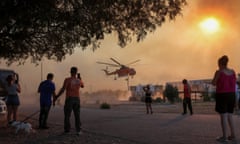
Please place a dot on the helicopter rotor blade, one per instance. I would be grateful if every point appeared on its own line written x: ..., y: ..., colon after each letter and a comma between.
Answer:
x: 133, y: 62
x: 116, y: 61
x: 113, y: 65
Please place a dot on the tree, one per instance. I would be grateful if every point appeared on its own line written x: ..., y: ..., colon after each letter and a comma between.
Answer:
x: 53, y: 28
x: 171, y: 93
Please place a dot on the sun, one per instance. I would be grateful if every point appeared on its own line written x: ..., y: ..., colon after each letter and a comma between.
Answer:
x: 210, y: 25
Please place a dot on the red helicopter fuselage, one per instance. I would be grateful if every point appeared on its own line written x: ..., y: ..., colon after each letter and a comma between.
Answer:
x: 125, y: 72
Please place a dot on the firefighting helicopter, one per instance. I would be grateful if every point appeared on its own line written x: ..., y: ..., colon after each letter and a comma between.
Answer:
x: 123, y: 71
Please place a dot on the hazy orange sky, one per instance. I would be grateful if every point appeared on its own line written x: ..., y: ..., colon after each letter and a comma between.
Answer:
x: 179, y: 49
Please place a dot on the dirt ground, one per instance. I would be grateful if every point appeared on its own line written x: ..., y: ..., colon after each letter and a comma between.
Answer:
x: 54, y: 135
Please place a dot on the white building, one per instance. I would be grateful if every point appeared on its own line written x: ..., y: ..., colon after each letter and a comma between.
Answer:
x: 138, y: 92
x: 197, y: 86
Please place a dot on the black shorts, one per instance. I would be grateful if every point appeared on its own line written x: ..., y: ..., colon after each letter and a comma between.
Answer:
x: 148, y: 99
x: 225, y: 102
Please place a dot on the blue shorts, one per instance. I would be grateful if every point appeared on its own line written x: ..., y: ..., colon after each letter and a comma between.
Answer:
x: 12, y: 100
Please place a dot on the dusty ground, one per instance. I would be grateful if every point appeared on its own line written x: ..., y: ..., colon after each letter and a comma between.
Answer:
x: 55, y: 135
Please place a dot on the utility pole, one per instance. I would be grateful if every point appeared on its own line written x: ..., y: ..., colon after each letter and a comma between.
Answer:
x: 127, y: 79
x: 41, y: 70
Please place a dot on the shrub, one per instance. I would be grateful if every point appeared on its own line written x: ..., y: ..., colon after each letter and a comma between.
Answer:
x: 105, y: 106
x: 158, y: 100
x: 171, y: 93
x: 142, y: 98
x: 206, y: 97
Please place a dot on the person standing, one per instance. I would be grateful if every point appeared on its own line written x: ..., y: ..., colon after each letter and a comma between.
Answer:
x: 148, y: 99
x: 47, y: 91
x: 237, y: 95
x: 12, y: 100
x: 72, y: 86
x: 225, y: 81
x: 187, y: 102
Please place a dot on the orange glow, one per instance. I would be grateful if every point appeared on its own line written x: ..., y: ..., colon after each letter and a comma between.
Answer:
x: 210, y: 25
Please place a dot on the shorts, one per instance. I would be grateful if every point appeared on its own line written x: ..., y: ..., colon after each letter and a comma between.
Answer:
x: 148, y: 100
x: 225, y: 102
x: 12, y: 100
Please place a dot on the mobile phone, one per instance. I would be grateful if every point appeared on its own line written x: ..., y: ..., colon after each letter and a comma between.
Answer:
x: 17, y: 78
x: 78, y: 76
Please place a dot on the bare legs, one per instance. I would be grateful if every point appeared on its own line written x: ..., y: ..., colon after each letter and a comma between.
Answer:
x: 226, y: 118
x: 231, y: 125
x: 149, y: 108
x: 12, y: 112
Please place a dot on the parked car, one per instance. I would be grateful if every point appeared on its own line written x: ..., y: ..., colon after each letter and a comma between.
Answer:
x: 3, y: 107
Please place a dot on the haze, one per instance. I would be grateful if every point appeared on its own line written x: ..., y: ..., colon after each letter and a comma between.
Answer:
x: 177, y: 50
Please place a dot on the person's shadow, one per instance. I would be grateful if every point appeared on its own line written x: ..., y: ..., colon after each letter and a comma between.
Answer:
x: 177, y: 119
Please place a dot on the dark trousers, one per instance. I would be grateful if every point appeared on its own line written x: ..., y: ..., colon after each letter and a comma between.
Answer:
x: 187, y: 102
x: 43, y: 116
x: 72, y: 104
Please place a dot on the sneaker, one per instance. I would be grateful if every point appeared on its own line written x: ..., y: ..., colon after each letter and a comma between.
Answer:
x: 222, y: 139
x: 79, y: 133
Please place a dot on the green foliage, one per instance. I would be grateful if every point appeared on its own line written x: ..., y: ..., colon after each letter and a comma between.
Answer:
x: 105, y: 106
x: 53, y: 28
x: 142, y: 98
x: 171, y: 93
x: 206, y: 96
x: 213, y: 95
x: 158, y: 100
